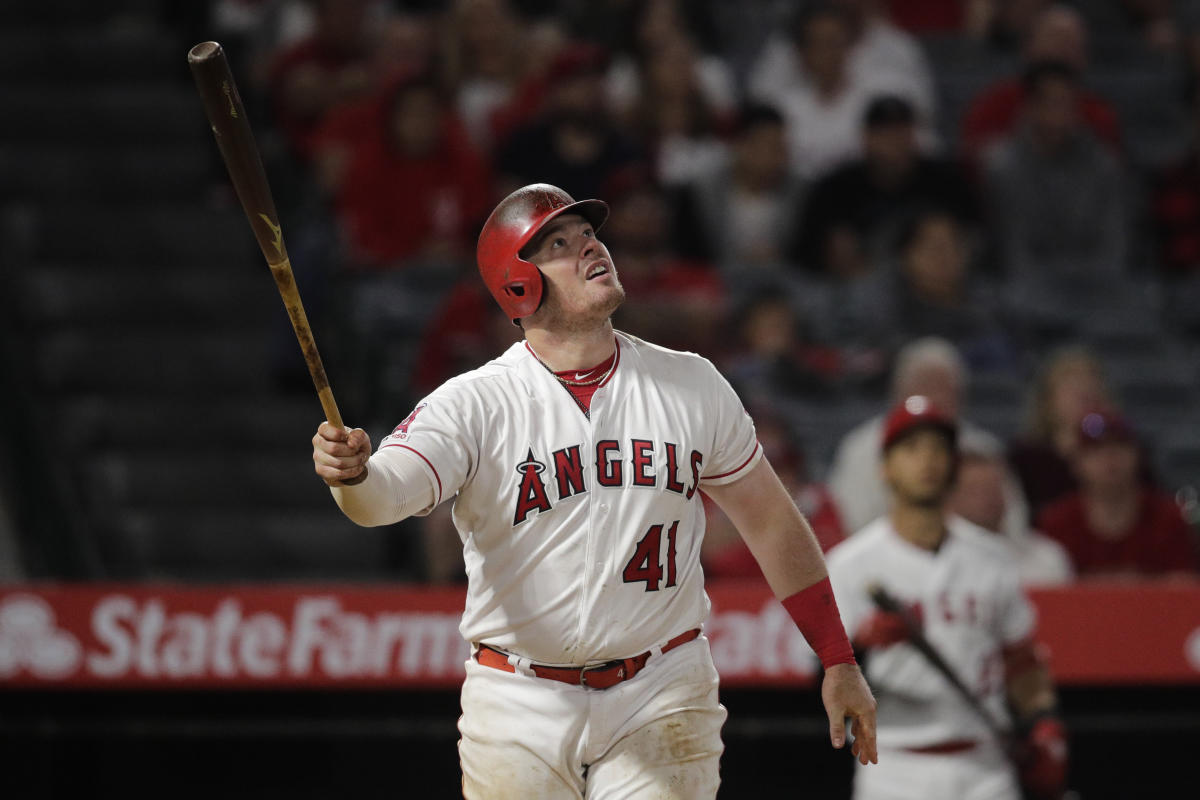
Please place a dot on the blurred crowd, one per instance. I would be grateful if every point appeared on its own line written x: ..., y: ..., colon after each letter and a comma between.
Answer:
x: 787, y: 199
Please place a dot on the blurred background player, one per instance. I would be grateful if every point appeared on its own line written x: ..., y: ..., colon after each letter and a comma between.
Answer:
x: 963, y: 587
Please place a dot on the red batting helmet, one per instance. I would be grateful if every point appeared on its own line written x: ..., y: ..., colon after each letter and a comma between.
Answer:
x: 514, y: 282
x: 917, y: 412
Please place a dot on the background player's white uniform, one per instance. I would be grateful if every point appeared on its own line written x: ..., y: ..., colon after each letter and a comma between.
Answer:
x: 581, y: 536
x: 972, y: 607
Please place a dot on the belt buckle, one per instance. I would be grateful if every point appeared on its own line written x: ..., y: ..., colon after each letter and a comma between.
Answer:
x: 583, y: 671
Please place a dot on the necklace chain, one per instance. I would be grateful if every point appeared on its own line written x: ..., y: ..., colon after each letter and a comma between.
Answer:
x: 568, y: 381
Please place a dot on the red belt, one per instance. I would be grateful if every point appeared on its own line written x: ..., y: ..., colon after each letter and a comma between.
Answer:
x: 945, y: 748
x: 597, y: 676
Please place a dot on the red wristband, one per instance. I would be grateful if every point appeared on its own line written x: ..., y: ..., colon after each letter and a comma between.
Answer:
x: 816, y: 614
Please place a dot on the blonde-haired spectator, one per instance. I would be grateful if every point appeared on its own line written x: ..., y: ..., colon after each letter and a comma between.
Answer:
x: 1070, y: 383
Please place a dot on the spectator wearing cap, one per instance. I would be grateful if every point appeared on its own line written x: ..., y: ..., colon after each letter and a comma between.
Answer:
x: 740, y: 214
x: 1115, y: 525
x: 853, y: 213
x: 1055, y: 195
x: 1057, y: 34
x: 929, y: 367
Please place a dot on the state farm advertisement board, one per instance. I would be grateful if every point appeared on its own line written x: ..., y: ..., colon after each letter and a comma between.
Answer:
x: 246, y: 636
x: 169, y: 636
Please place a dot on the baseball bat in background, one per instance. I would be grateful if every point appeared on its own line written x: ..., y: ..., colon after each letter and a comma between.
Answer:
x: 223, y: 105
x: 916, y: 637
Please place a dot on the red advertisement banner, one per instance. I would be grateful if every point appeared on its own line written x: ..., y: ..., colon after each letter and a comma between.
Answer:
x: 172, y: 636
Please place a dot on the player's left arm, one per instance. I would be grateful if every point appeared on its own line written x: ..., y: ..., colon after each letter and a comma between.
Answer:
x: 787, y: 552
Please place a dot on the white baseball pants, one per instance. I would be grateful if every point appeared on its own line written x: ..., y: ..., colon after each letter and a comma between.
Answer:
x: 657, y: 735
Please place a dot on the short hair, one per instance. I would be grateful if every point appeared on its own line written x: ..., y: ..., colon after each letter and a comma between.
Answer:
x: 927, y: 351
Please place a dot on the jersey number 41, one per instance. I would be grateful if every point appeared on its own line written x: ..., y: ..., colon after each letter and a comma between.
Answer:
x: 645, y: 564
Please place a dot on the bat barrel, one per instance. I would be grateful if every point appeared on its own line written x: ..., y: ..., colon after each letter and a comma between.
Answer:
x: 227, y: 115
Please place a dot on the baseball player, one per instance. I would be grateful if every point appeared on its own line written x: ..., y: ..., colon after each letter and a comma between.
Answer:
x: 575, y: 460
x: 960, y: 585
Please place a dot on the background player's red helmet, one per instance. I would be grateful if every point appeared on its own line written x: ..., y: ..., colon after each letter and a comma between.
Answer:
x: 514, y: 282
x: 917, y: 412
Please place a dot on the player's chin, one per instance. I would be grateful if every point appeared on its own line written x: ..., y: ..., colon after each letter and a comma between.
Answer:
x: 609, y: 300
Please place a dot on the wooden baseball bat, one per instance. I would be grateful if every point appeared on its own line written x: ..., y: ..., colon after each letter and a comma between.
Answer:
x: 227, y: 116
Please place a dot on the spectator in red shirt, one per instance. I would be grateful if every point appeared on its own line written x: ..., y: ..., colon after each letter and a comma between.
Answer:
x: 723, y: 553
x: 1057, y: 35
x: 1115, y: 525
x: 332, y: 66
x: 406, y: 182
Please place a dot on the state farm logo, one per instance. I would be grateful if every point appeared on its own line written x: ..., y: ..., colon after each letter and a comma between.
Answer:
x: 319, y: 638
x: 31, y: 640
x: 178, y: 637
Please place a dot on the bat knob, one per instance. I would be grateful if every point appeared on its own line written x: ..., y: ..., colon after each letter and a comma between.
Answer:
x: 203, y: 52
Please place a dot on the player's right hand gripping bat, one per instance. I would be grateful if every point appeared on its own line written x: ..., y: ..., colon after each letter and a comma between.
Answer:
x: 223, y: 105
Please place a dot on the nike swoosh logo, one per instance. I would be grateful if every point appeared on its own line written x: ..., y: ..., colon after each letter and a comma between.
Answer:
x: 581, y: 375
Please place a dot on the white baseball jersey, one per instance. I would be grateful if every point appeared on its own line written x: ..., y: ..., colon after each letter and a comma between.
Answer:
x: 968, y: 596
x: 581, y: 533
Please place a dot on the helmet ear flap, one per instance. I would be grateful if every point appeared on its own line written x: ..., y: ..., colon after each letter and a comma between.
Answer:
x: 524, y: 290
